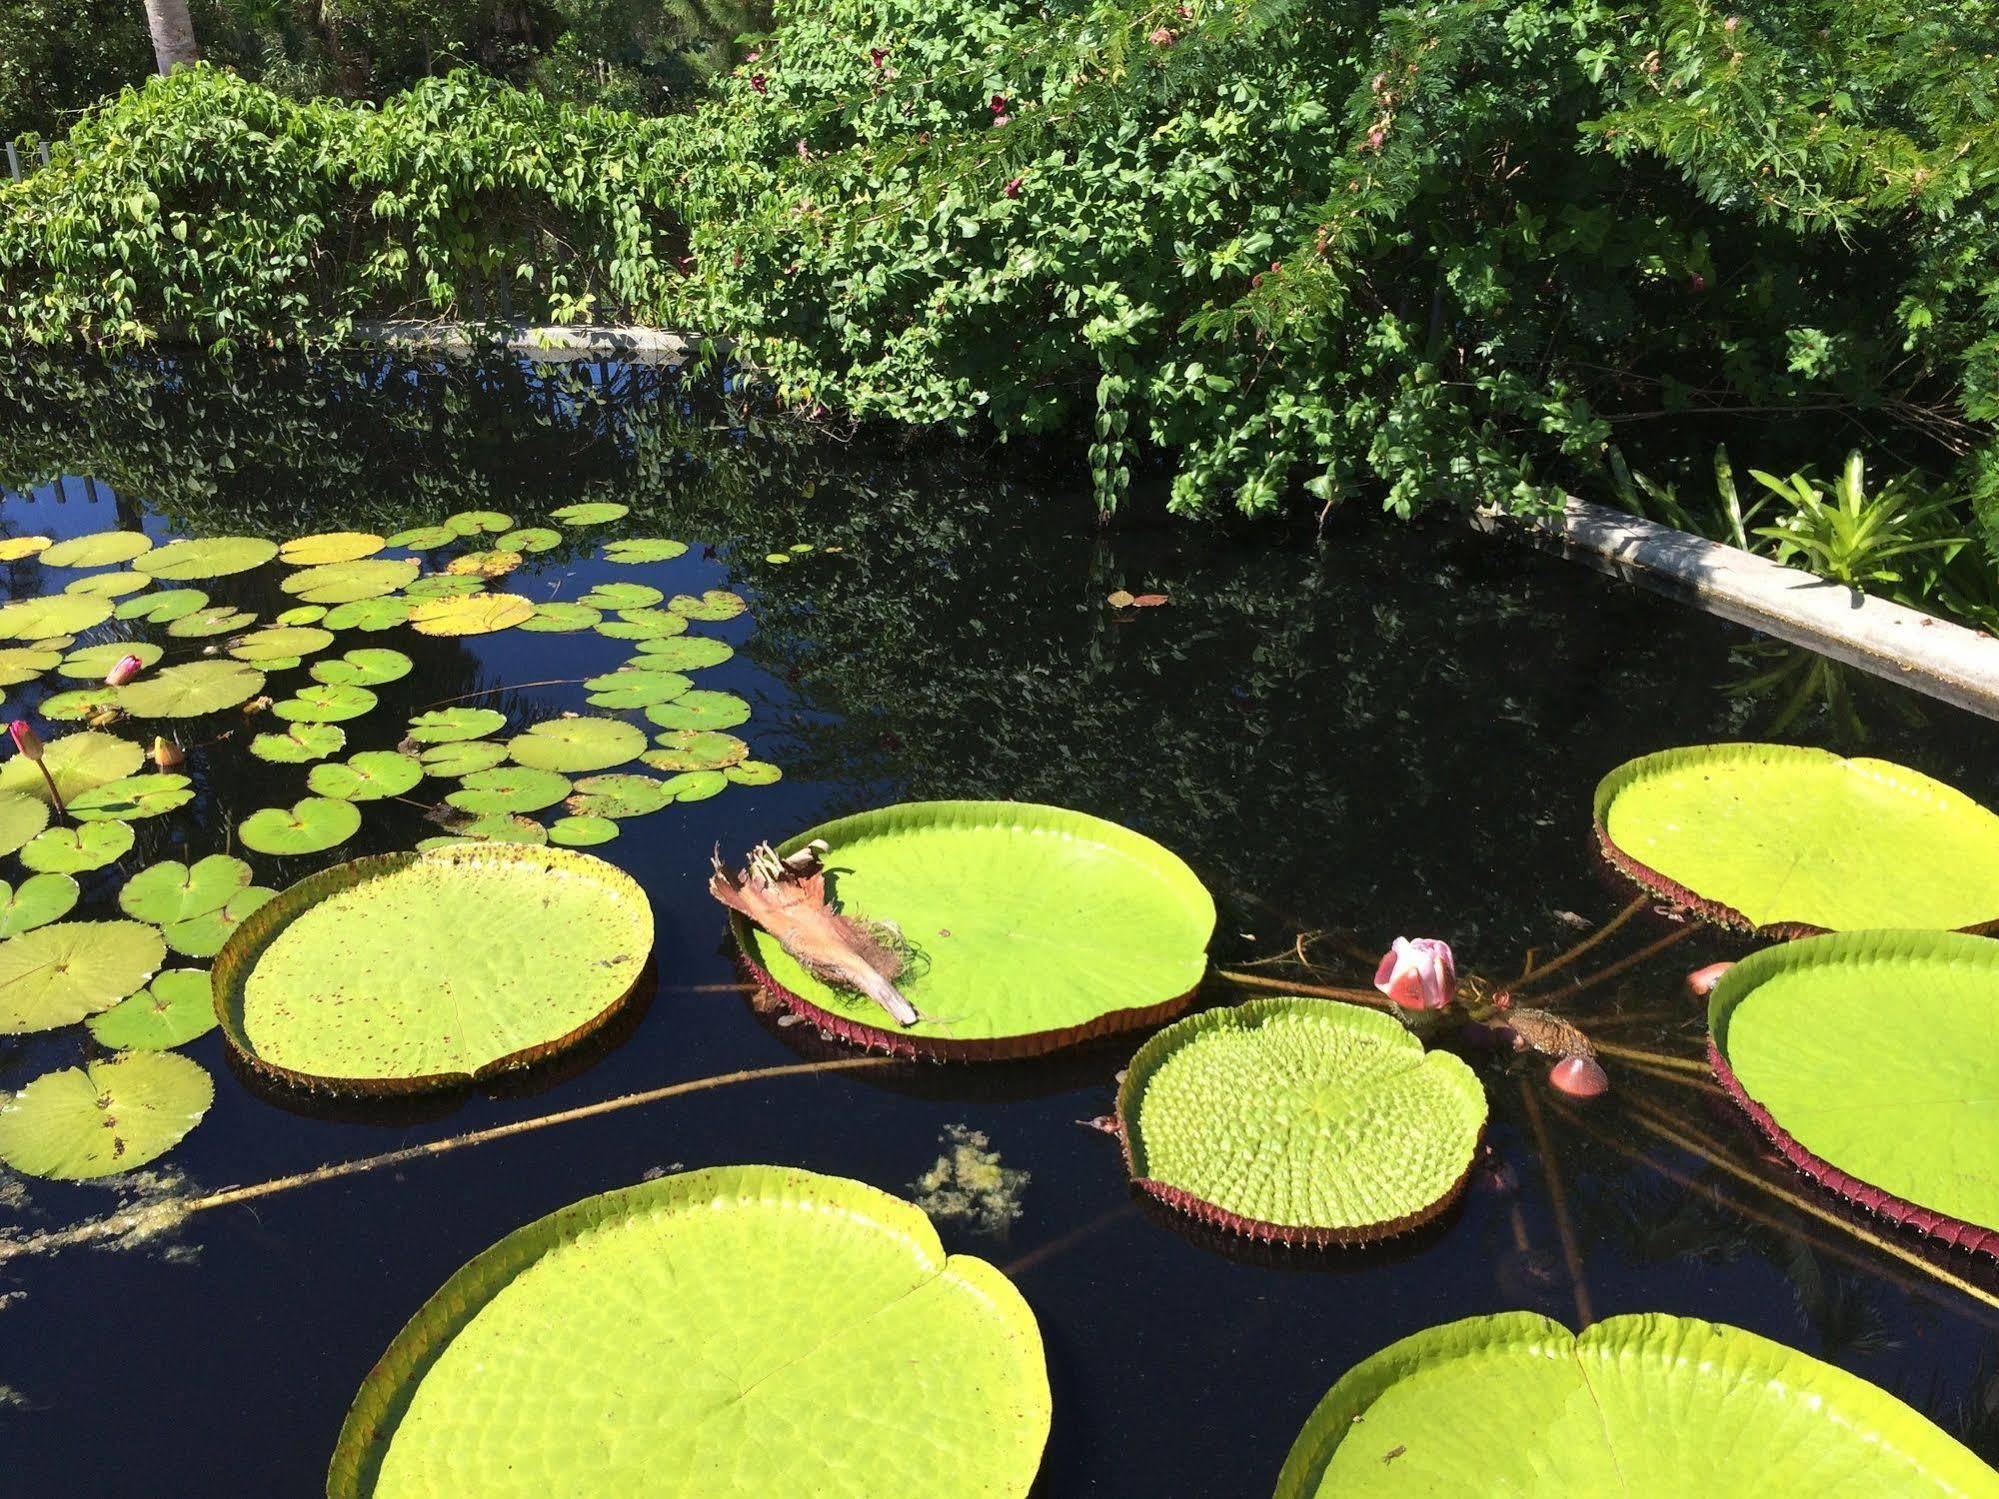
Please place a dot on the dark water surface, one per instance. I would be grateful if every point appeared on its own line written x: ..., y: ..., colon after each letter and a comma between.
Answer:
x: 1387, y: 730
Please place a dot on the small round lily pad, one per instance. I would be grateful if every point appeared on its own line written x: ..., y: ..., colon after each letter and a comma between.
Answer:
x: 301, y: 743
x: 461, y: 757
x: 19, y: 548
x: 98, y: 550
x: 443, y: 586
x: 423, y: 538
x: 301, y: 614
x: 475, y: 522
x: 643, y: 625
x: 628, y: 688
x: 696, y: 749
x: 55, y: 614
x: 695, y: 785
x: 683, y: 652
x: 636, y: 549
x: 190, y: 690
x: 493, y: 564
x: 90, y: 663
x: 714, y: 606
x: 310, y: 826
x: 472, y: 614
x: 622, y: 596
x: 78, y: 762
x: 575, y: 745
x: 618, y: 796
x: 202, y: 936
x: 116, y: 585
x: 81, y: 705
x: 366, y: 777
x: 213, y: 619
x: 589, y: 513
x: 351, y: 582
x: 105, y: 1117
x: 561, y: 618
x: 508, y: 788
x: 330, y: 546
x: 163, y: 607
x: 24, y: 663
x: 446, y: 725
x: 91, y: 845
x: 171, y: 891
x: 367, y: 666
x: 700, y: 709
x: 581, y: 832
x: 281, y: 643
x: 55, y: 975
x: 132, y: 798
x: 325, y: 703
x: 211, y: 557
x: 502, y: 827
x: 371, y: 615
x: 36, y: 901
x: 529, y: 539
x: 174, y: 1009
x: 753, y: 773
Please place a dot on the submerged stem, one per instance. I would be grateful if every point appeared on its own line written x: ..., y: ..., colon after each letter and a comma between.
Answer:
x: 1651, y: 1058
x: 1535, y: 973
x: 1558, y: 1199
x: 1630, y: 960
x: 1314, y: 991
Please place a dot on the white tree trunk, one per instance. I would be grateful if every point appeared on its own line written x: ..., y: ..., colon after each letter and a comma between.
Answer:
x: 173, y: 33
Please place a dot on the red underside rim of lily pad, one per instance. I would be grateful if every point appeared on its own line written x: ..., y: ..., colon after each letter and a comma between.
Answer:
x: 1953, y: 1231
x: 897, y: 1043
x: 1714, y: 912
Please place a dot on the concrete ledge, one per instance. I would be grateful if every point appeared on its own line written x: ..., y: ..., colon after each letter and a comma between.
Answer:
x: 1933, y: 656
x: 552, y: 343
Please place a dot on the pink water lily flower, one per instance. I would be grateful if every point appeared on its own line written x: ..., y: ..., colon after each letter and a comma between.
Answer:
x: 1418, y: 974
x: 26, y: 740
x: 127, y: 667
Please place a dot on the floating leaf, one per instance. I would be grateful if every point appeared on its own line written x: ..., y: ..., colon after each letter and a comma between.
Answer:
x: 90, y: 663
x: 164, y: 607
x: 475, y: 614
x: 778, y: 559
x: 55, y: 975
x: 75, y: 850
x: 637, y: 549
x: 1300, y: 1121
x: 191, y: 690
x: 642, y: 625
x: 502, y: 827
x: 276, y: 643
x: 589, y: 513
x: 423, y: 538
x: 172, y: 891
x: 132, y: 798
x: 473, y: 522
x: 36, y: 901
x: 301, y: 614
x: 351, y: 582
x: 461, y: 758
x: 617, y: 796
x: 1790, y: 840
x: 330, y: 546
x: 629, y: 688
x: 622, y: 596
x: 444, y: 586
x: 695, y: 785
x: 892, y: 1360
x: 483, y: 564
x: 78, y: 762
x: 109, y: 585
x: 408, y: 971
x: 696, y: 749
x: 311, y: 825
x: 98, y: 550
x: 700, y: 709
x: 174, y: 1009
x: 366, y: 777
x: 103, y: 1118
x: 683, y: 653
x: 21, y: 817
x: 573, y: 745
x: 715, y: 605
x: 441, y: 840
x: 19, y: 548
x: 529, y: 539
x: 1041, y: 926
x: 508, y: 788
x: 369, y: 666
x: 1646, y: 1404
x: 368, y: 614
x: 581, y: 832
x: 560, y: 619
x: 325, y: 703
x: 203, y: 936
x: 444, y: 725
x: 81, y: 704
x: 58, y: 614
x: 24, y: 663
x: 753, y: 773
x: 302, y: 742
x: 212, y: 557
x: 215, y: 619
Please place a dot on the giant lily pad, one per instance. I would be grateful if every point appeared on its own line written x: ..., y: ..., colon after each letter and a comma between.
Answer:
x: 174, y: 1009
x: 1035, y: 927
x: 78, y: 762
x: 666, y: 1313
x: 409, y: 971
x: 310, y: 826
x: 97, y: 550
x: 574, y: 745
x: 470, y: 614
x: 57, y: 974
x: 1871, y: 1059
x: 1647, y: 1404
x: 57, y: 614
x: 191, y: 690
x: 1790, y: 841
x: 1300, y: 1121
x: 212, y: 557
x: 103, y: 1118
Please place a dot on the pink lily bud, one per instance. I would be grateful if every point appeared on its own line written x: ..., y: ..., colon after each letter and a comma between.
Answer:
x: 126, y: 668
x: 166, y: 754
x: 26, y: 740
x: 1701, y: 982
x: 1418, y: 974
x: 1579, y: 1077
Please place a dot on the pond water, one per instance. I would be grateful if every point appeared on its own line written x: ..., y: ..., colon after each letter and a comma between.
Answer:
x: 1382, y: 730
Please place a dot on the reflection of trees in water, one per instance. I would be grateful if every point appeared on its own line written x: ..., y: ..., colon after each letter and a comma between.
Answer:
x: 1793, y: 693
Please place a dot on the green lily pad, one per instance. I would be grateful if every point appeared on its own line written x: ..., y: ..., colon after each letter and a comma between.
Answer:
x: 330, y: 546
x: 211, y: 557
x: 164, y: 607
x: 350, y: 582
x: 366, y: 777
x: 369, y: 666
x: 57, y: 614
x: 1871, y: 1060
x: 1040, y: 927
x: 1788, y: 840
x: 132, y: 798
x: 622, y: 596
x: 98, y: 550
x: 21, y: 817
x: 215, y: 619
x: 626, y: 688
x: 174, y: 1009
x: 171, y: 891
x: 370, y: 615
x: 695, y: 785
x: 501, y: 827
x: 103, y: 1118
x: 90, y: 663
x: 79, y: 849
x: 423, y: 538
x: 473, y: 614
x: 109, y: 585
x: 700, y: 709
x: 36, y: 901
x: 696, y: 749
x: 280, y: 643
x: 1301, y: 1121
x: 461, y: 758
x: 778, y: 559
x: 446, y: 725
x: 574, y: 745
x: 311, y: 825
x: 893, y: 1360
x: 508, y: 788
x: 635, y: 549
x: 325, y: 703
x: 560, y: 619
x: 617, y: 796
x: 202, y: 936
x: 683, y: 652
x: 57, y: 974
x: 408, y: 971
x: 301, y: 614
x: 753, y: 773
x: 299, y: 744
x: 190, y: 690
x: 643, y: 625
x: 475, y: 522
x: 589, y: 513
x: 78, y: 762
x: 24, y: 663
x: 529, y: 539
x: 581, y: 832
x: 715, y: 605
x: 443, y: 586
x: 80, y: 705
x: 1647, y: 1404
x: 17, y: 548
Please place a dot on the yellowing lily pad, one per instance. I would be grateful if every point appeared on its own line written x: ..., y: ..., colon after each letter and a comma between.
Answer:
x: 55, y: 975
x: 618, y: 796
x: 472, y: 614
x: 330, y: 546
x: 483, y: 564
x: 211, y: 557
x: 190, y: 690
x: 103, y: 1118
x: 753, y: 773
x: 174, y: 1009
x: 109, y: 585
x: 310, y: 826
x: 573, y: 745
x: 19, y: 548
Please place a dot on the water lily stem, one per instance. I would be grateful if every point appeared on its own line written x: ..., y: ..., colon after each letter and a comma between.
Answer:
x: 1562, y: 960
x: 54, y: 795
x: 1651, y: 1058
x: 1558, y: 1200
x: 466, y: 697
x: 1314, y: 991
x: 1678, y: 1079
x: 1630, y: 960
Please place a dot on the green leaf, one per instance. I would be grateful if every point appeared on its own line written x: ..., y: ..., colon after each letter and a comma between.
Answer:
x: 581, y: 832
x: 351, y: 582
x: 330, y: 547
x: 696, y: 749
x: 366, y: 777
x: 753, y: 773
x: 325, y: 703
x: 474, y: 522
x: 365, y: 667
x: 58, y: 614
x: 461, y: 758
x: 368, y: 614
x: 57, y: 974
x: 91, y: 663
x: 132, y: 798
x: 694, y: 785
x: 622, y: 596
x: 78, y: 762
x: 310, y: 826
x: 172, y: 891
x: 715, y: 605
x: 211, y: 557
x: 423, y: 538
x: 643, y: 625
x: 508, y: 788
x: 445, y: 725
x: 21, y: 817
x: 302, y: 742
x: 700, y: 709
x: 682, y: 653
x: 281, y: 643
x: 203, y: 936
x: 529, y: 540
x: 629, y: 688
x: 76, y: 850
x: 98, y: 550
x: 174, y: 1009
x: 574, y: 745
x: 470, y: 614
x: 164, y: 607
x: 191, y: 690
x: 637, y: 549
x: 104, y: 1118
x: 24, y: 663
x: 216, y: 619
x: 590, y: 513
x: 560, y: 619
x: 618, y: 796
x: 36, y: 901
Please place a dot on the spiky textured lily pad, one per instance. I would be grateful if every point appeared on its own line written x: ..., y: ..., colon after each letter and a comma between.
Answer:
x: 683, y: 652
x: 635, y: 549
x: 325, y: 703
x: 97, y: 550
x: 77, y: 761
x: 1790, y: 841
x: 57, y: 974
x: 461, y: 757
x: 368, y: 666
x: 508, y: 788
x: 103, y: 1118
x: 172, y: 891
x: 1647, y: 1404
x: 211, y: 557
x: 560, y: 618
x: 90, y: 845
x: 310, y: 826
x: 21, y: 817
x: 1039, y: 927
x: 894, y: 1369
x: 56, y: 614
x: 574, y: 745
x: 1871, y: 1059
x: 36, y: 901
x: 589, y: 513
x: 351, y: 582
x: 191, y: 690
x: 132, y: 798
x: 366, y: 777
x: 471, y: 614
x: 700, y: 709
x: 330, y: 546
x: 447, y: 725
x: 409, y: 971
x: 174, y: 1009
x: 300, y: 743
x: 1300, y: 1121
x: 90, y: 663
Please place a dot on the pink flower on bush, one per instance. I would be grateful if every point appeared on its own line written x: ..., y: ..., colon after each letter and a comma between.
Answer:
x: 759, y: 83
x: 1418, y: 974
x: 1161, y: 37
